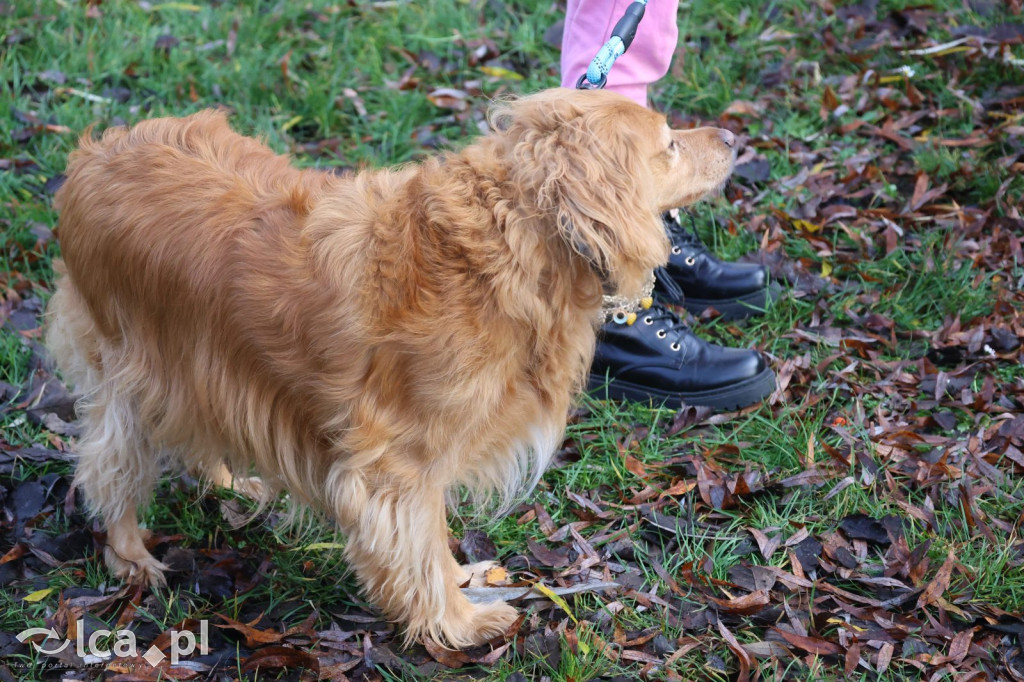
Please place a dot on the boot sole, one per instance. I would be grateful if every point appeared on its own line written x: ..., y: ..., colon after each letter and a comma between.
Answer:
x: 727, y: 398
x: 748, y: 305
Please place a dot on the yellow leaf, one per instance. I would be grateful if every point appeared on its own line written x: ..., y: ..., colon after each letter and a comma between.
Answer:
x: 546, y: 591
x: 292, y: 121
x: 826, y: 269
x: 840, y: 621
x: 501, y: 72
x: 954, y: 50
x: 496, y: 576
x: 316, y: 546
x: 181, y: 6
x: 38, y: 595
x: 806, y: 226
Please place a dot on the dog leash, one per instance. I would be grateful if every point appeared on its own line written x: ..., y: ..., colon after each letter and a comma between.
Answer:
x: 618, y: 308
x: 622, y: 37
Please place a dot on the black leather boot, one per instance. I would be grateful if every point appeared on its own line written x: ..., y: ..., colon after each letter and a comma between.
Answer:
x: 694, y: 279
x: 655, y: 358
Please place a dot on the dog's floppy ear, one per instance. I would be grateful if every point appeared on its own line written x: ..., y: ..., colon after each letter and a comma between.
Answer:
x: 580, y: 165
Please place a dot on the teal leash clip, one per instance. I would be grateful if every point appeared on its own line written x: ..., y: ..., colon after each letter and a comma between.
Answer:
x: 622, y: 37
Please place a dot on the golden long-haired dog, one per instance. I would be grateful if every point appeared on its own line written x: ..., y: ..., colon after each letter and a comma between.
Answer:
x: 365, y: 343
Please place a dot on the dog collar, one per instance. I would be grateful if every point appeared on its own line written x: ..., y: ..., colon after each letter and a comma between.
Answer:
x: 622, y: 310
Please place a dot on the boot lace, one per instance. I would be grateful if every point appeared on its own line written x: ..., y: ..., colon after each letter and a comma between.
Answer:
x: 669, y: 325
x: 681, y: 237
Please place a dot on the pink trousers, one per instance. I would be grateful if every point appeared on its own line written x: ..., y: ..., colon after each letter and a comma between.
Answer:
x: 588, y: 25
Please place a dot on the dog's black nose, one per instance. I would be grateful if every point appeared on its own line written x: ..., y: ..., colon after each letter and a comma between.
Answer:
x: 728, y: 138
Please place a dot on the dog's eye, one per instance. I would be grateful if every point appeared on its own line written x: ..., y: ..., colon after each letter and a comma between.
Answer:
x: 672, y: 146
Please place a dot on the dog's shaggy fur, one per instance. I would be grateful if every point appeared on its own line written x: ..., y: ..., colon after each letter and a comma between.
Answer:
x: 365, y: 343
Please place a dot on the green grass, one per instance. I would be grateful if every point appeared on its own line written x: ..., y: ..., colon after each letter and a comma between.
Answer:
x: 349, y: 85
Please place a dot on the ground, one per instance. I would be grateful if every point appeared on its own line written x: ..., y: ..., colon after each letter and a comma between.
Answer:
x: 862, y: 523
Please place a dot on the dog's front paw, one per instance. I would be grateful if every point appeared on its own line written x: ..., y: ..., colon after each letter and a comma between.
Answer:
x: 484, y: 622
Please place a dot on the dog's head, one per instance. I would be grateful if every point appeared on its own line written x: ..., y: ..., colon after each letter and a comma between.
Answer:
x: 605, y: 168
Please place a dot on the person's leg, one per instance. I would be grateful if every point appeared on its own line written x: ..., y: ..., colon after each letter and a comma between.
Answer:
x: 658, y: 358
x: 588, y: 26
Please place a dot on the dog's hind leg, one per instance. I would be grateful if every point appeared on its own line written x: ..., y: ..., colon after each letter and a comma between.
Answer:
x: 475, y: 575
x: 117, y: 470
x: 398, y: 547
x: 126, y: 554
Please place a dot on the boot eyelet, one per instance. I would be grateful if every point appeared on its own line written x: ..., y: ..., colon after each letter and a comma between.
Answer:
x: 661, y: 333
x: 690, y: 260
x: 676, y: 250
x: 675, y: 346
x: 648, y: 320
x: 619, y: 317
